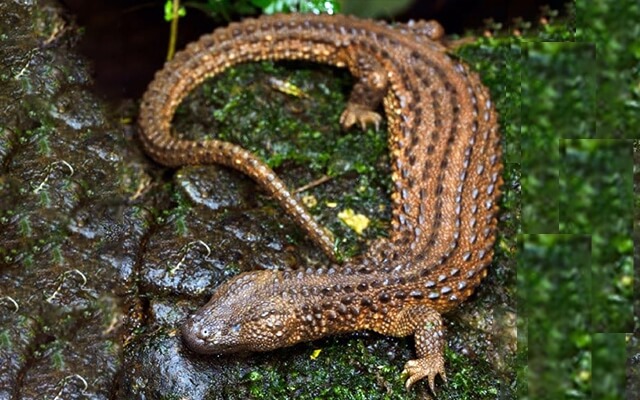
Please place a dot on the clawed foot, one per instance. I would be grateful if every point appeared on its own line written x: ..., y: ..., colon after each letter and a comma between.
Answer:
x: 356, y: 114
x: 427, y: 367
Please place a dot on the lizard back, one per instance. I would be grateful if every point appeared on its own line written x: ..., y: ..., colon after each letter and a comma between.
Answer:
x: 446, y: 171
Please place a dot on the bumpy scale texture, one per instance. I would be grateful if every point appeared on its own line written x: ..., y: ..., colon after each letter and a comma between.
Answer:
x: 446, y: 170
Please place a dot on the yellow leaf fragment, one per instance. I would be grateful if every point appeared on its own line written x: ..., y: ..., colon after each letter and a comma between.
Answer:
x: 357, y: 222
x: 315, y: 354
x: 309, y: 201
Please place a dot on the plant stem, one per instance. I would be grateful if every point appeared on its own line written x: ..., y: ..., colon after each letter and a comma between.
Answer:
x: 174, y: 29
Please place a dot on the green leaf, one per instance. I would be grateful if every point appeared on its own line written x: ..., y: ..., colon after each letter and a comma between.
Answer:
x: 168, y: 11
x: 305, y: 6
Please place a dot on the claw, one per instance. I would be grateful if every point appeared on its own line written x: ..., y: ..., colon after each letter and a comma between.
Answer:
x: 428, y: 367
x: 357, y: 114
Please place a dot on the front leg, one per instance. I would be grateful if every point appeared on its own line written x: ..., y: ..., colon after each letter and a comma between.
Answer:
x: 426, y: 324
x: 367, y: 93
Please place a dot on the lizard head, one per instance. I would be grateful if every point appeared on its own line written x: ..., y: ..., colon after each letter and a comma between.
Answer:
x: 243, y: 315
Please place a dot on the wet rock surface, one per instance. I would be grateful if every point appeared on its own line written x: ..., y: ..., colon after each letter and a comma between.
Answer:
x: 104, y: 253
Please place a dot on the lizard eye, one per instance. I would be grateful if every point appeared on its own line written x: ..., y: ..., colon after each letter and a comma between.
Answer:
x: 235, y: 328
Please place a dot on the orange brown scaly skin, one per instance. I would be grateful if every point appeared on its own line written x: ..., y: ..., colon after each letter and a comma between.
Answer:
x: 446, y: 171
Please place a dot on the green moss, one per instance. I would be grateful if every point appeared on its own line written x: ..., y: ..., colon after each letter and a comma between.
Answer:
x: 553, y: 270
x: 578, y: 181
x: 178, y: 211
x: 5, y: 340
x: 57, y: 359
x: 25, y: 227
x: 612, y: 26
x: 354, y: 373
x: 470, y: 379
